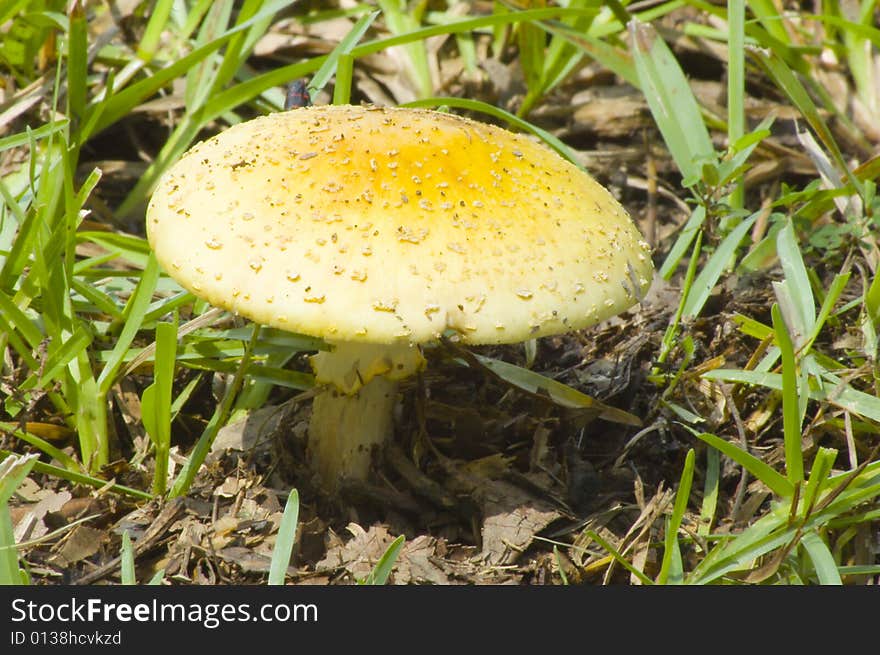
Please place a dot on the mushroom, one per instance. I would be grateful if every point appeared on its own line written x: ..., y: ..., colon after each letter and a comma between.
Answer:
x: 380, y: 229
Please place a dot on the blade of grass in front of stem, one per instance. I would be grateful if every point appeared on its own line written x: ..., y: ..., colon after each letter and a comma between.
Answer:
x: 284, y: 541
x: 791, y: 417
x: 671, y: 566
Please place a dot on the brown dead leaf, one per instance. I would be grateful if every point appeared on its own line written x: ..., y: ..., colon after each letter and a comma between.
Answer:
x: 511, y: 521
x: 80, y: 544
x: 418, y: 563
x: 612, y: 115
x: 28, y: 520
x: 245, y: 434
x: 511, y: 515
x: 360, y: 554
x: 248, y: 560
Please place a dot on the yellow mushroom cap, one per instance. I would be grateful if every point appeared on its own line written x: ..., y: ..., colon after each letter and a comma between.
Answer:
x: 381, y: 225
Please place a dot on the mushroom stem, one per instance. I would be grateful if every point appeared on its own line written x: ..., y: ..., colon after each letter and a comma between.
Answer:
x: 354, y: 411
x: 345, y: 427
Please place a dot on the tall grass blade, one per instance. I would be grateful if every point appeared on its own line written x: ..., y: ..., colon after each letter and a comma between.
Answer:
x: 791, y: 415
x: 379, y: 574
x: 671, y: 565
x: 672, y: 103
x: 13, y: 470
x: 284, y: 541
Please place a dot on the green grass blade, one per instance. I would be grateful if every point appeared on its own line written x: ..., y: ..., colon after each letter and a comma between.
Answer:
x: 736, y: 116
x: 619, y: 558
x: 134, y: 314
x: 13, y: 470
x: 711, y: 489
x: 126, y: 554
x: 791, y: 417
x: 401, y: 20
x: 344, y: 75
x: 798, y: 283
x: 857, y: 402
x: 672, y: 103
x: 284, y: 541
x: 713, y: 269
x: 561, y: 394
x: 158, y: 23
x: 52, y: 451
x: 823, y: 560
x: 203, y: 446
x: 786, y: 80
x: 670, y: 568
x: 818, y: 481
x: 156, y: 402
x: 77, y: 477
x: 379, y: 574
x: 777, y: 483
x: 346, y: 45
x: 685, y: 238
x: 492, y: 110
x: 77, y: 63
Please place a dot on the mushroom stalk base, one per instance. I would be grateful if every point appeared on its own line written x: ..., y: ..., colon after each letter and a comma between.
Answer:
x: 345, y: 427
